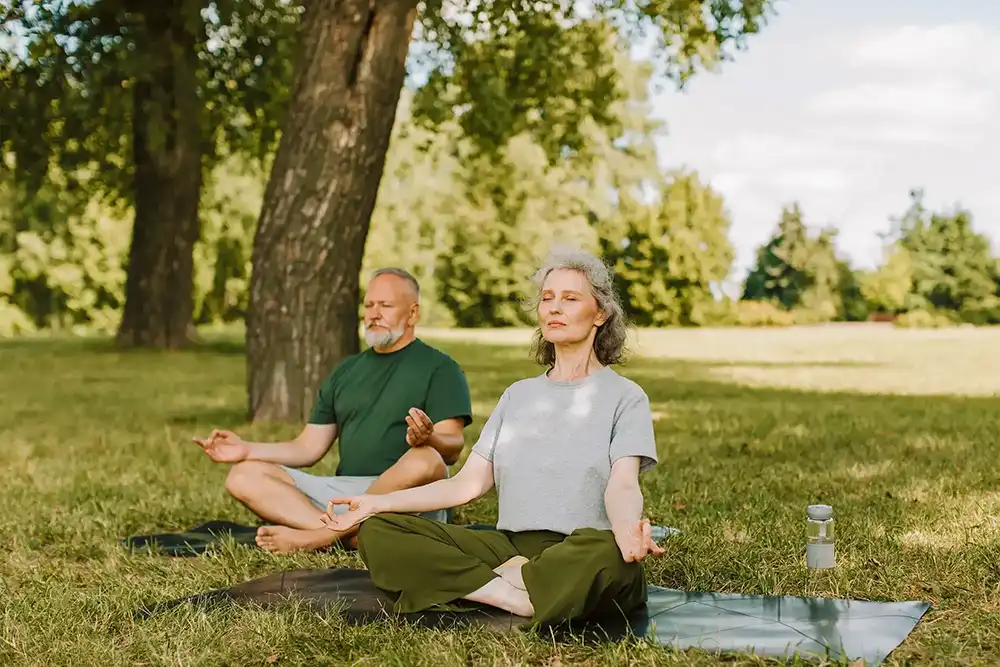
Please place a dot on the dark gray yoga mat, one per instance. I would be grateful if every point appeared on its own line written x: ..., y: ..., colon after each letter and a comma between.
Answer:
x: 716, y: 622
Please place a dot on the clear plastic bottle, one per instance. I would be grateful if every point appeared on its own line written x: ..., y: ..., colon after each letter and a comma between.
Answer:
x: 820, y: 538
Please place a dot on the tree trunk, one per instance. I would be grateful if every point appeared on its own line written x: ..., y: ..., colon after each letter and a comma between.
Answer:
x: 310, y: 239
x: 167, y: 153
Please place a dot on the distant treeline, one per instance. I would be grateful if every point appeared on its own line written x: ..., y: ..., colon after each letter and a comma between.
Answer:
x: 473, y: 230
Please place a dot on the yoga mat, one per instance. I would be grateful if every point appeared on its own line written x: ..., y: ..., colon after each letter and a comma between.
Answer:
x: 211, y: 535
x: 717, y: 622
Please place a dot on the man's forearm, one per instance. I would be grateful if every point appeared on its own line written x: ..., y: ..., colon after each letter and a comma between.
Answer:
x: 448, y: 445
x: 623, y: 503
x: 291, y: 454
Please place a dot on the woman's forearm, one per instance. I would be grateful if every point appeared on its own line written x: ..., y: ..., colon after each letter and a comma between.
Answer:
x: 623, y: 503
x: 439, y: 495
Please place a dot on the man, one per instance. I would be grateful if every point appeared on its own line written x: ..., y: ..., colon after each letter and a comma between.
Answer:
x: 399, y: 409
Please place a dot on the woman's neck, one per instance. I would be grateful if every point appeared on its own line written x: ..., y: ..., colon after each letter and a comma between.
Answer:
x: 574, y: 362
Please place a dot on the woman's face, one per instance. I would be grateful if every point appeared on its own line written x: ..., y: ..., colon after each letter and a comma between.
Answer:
x: 567, y: 310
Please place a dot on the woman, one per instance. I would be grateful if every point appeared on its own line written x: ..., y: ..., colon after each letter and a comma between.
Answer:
x: 564, y: 450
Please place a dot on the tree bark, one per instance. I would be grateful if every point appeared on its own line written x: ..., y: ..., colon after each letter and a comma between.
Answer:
x: 167, y: 182
x: 310, y: 239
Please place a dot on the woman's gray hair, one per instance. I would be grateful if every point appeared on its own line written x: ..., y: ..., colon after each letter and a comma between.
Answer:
x: 609, y: 344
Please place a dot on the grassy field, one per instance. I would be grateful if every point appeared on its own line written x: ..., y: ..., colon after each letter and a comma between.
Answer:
x: 896, y: 429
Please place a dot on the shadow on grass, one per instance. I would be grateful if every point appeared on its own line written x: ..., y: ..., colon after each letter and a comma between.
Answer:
x: 209, y: 417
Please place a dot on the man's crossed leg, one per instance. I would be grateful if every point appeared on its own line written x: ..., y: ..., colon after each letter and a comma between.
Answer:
x: 296, y: 501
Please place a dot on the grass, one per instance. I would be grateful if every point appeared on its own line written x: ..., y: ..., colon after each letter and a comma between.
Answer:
x: 896, y: 429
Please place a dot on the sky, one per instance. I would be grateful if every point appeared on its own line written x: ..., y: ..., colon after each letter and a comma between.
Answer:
x: 846, y: 107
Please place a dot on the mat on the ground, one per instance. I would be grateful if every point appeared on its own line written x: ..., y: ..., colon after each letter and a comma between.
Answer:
x: 211, y: 535
x: 717, y: 622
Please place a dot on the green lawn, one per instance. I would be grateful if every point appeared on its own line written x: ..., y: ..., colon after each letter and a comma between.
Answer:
x: 896, y: 429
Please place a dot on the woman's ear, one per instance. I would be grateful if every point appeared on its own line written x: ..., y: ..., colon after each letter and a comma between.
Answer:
x: 600, y: 319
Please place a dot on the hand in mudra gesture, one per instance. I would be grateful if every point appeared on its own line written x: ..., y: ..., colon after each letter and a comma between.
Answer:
x: 635, y: 541
x: 224, y: 446
x: 359, y: 508
x: 419, y: 427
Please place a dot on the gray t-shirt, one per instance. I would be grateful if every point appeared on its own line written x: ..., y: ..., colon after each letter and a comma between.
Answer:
x: 552, y: 444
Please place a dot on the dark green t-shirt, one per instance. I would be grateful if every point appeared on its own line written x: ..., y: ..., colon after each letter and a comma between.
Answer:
x: 368, y: 395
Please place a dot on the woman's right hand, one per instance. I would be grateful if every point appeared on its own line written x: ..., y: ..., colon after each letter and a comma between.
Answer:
x: 359, y: 508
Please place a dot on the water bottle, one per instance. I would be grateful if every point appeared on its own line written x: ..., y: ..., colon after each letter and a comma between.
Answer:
x: 819, y: 538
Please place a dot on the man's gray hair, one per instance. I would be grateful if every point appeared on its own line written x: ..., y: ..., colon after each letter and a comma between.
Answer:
x: 609, y: 344
x: 399, y: 273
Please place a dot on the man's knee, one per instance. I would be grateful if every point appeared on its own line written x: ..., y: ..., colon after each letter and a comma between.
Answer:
x: 425, y: 465
x: 244, y: 477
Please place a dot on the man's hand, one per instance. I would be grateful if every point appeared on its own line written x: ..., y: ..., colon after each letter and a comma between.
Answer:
x: 635, y: 540
x: 419, y: 428
x: 360, y: 508
x: 224, y: 446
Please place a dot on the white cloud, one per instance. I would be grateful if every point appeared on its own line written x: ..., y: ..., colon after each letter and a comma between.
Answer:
x: 766, y: 150
x: 966, y: 49
x: 815, y: 179
x: 846, y: 125
x: 933, y: 102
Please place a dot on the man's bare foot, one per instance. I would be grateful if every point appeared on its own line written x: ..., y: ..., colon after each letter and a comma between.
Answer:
x: 510, y: 571
x: 283, y: 540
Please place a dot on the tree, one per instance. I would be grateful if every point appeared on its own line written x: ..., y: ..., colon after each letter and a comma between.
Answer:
x: 675, y: 251
x: 517, y: 207
x: 796, y: 270
x: 133, y: 101
x: 783, y: 263
x: 419, y: 202
x: 952, y: 265
x: 502, y: 68
x: 888, y: 287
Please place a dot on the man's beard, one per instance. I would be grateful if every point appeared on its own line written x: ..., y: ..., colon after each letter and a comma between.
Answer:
x: 381, y: 339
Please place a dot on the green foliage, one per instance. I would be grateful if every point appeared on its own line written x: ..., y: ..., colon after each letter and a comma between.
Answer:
x: 675, y: 250
x: 63, y: 268
x: 506, y: 68
x: 518, y: 208
x: 418, y: 204
x: 926, y: 319
x: 762, y: 314
x: 799, y: 271
x: 888, y: 287
x: 70, y: 92
x: 951, y: 264
x: 222, y: 257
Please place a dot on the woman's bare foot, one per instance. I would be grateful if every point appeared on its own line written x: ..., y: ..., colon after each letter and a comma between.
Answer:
x: 510, y: 571
x: 499, y: 593
x: 283, y: 540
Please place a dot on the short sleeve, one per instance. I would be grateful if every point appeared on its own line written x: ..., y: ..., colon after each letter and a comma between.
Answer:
x: 632, y: 434
x: 487, y: 442
x: 448, y: 395
x: 324, y: 412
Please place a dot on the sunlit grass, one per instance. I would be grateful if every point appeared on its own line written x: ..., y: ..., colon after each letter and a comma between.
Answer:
x: 896, y: 429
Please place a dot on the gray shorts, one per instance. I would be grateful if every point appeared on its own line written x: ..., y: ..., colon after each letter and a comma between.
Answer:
x: 319, y: 490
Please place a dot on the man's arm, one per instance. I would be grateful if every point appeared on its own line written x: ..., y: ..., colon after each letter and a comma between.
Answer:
x: 447, y: 412
x: 448, y: 439
x: 306, y: 449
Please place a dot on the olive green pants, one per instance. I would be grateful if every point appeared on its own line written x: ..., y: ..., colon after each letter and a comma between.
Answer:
x: 433, y: 565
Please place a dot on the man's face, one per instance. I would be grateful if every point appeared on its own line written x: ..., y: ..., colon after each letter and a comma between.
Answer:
x: 389, y: 307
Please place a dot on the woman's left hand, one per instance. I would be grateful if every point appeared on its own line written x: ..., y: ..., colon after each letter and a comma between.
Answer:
x: 635, y: 540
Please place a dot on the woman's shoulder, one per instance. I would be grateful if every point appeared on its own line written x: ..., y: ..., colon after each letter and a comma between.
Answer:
x: 623, y: 384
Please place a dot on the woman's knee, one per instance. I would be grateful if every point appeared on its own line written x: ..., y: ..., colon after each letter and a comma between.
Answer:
x: 605, y: 554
